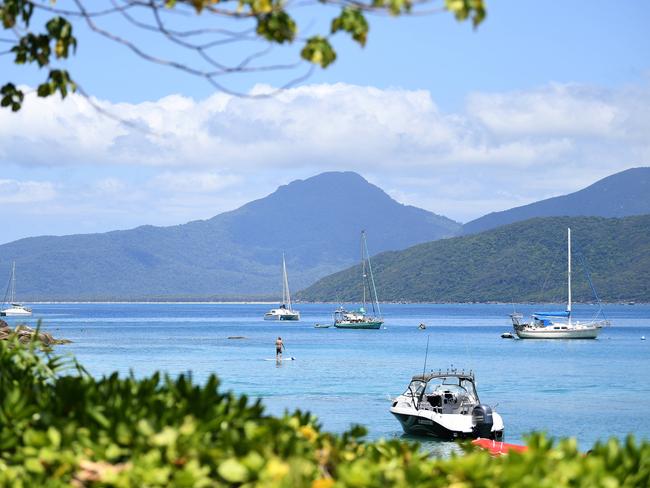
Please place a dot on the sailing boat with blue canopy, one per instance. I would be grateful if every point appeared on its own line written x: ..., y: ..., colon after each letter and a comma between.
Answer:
x: 558, y: 324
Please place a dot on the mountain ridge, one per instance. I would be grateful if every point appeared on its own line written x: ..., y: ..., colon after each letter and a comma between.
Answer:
x: 628, y: 194
x: 236, y: 253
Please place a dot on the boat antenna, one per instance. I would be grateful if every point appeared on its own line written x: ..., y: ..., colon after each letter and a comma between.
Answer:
x: 426, y: 355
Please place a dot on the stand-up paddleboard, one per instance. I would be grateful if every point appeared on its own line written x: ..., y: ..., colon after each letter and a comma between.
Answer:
x: 280, y: 359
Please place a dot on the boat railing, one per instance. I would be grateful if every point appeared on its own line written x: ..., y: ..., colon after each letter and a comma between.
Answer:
x: 516, y: 318
x: 594, y: 323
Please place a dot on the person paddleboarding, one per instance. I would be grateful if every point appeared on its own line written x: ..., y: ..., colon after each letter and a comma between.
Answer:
x: 279, y: 345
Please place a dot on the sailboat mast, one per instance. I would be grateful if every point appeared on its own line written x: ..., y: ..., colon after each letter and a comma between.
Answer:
x: 568, y: 308
x: 286, y: 296
x: 13, y: 282
x: 363, y: 267
x: 372, y: 278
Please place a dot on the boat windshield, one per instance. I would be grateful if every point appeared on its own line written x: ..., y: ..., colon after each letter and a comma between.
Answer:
x: 453, y: 384
x: 415, y: 389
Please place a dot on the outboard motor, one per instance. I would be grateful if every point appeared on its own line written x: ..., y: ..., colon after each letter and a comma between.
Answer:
x: 482, y: 421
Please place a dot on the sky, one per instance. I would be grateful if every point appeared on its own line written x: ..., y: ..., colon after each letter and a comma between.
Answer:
x: 544, y: 98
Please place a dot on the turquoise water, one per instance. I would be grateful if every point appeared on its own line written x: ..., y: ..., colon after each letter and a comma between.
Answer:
x: 587, y: 389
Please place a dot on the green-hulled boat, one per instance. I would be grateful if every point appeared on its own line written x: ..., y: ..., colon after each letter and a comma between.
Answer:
x: 360, y: 319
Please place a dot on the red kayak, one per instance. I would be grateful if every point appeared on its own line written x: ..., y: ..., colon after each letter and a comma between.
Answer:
x: 498, y: 448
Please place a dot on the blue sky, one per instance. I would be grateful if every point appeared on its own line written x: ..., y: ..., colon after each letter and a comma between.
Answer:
x: 543, y: 99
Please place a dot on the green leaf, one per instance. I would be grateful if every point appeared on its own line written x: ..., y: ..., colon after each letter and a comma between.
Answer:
x: 352, y: 21
x: 233, y: 471
x: 318, y: 50
x: 60, y: 30
x: 59, y: 80
x: 12, y: 97
x: 276, y: 27
x: 464, y: 9
x: 394, y: 7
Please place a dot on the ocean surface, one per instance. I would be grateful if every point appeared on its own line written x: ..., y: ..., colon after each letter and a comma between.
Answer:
x: 588, y: 389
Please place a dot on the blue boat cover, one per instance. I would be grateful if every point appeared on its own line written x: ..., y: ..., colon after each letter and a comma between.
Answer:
x: 551, y: 314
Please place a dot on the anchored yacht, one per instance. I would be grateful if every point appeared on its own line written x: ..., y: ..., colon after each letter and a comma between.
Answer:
x: 559, y: 325
x: 14, y: 309
x: 361, y: 319
x: 284, y: 311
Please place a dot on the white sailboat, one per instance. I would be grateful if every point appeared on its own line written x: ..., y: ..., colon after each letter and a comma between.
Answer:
x: 284, y: 311
x: 14, y: 309
x: 557, y: 325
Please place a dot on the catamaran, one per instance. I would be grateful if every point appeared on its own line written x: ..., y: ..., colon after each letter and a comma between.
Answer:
x: 14, y: 309
x: 284, y: 311
x: 360, y: 319
x: 558, y: 325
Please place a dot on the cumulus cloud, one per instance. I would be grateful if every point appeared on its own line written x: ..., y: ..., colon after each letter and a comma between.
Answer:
x: 555, y: 110
x: 180, y: 158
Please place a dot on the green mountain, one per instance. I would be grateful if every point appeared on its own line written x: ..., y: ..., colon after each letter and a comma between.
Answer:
x: 315, y: 222
x: 619, y: 195
x: 525, y: 261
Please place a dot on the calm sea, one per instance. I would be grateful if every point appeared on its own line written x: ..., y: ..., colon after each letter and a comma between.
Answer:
x: 587, y: 389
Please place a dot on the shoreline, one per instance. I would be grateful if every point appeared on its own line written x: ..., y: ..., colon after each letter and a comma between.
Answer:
x: 263, y: 302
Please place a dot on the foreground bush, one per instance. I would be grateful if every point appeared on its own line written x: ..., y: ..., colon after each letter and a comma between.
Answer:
x: 61, y: 427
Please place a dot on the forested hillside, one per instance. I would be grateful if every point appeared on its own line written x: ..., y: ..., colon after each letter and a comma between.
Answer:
x: 525, y: 261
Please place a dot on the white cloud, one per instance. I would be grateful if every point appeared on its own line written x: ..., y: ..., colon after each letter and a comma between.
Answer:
x: 335, y: 125
x: 561, y: 110
x: 180, y: 159
x: 25, y: 192
x: 192, y: 182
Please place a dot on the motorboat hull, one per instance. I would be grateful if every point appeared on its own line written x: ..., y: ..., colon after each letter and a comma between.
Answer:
x: 359, y: 325
x: 420, y: 425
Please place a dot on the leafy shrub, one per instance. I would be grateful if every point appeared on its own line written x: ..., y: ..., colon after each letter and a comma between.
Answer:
x: 61, y: 427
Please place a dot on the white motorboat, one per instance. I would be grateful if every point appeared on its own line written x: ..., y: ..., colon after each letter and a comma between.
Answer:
x: 558, y: 325
x: 284, y: 311
x: 446, y: 405
x: 14, y: 309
